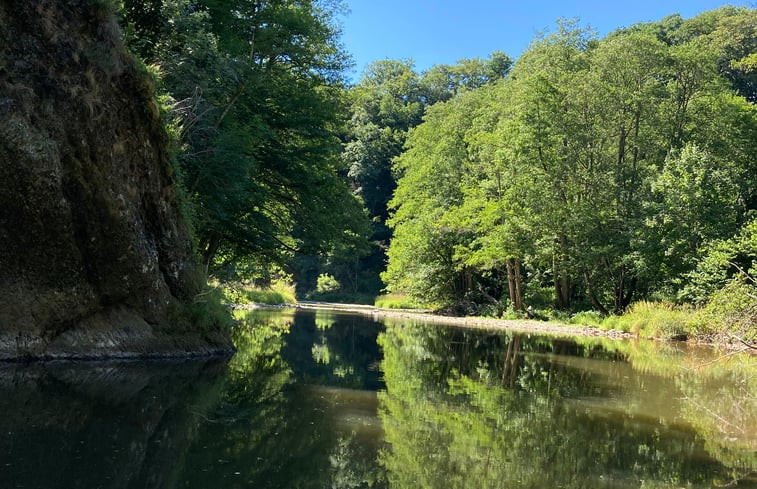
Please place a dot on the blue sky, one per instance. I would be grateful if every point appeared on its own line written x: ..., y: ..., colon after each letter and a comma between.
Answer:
x: 444, y: 31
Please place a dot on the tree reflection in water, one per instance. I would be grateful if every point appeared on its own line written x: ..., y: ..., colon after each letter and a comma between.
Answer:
x: 312, y: 400
x: 470, y: 409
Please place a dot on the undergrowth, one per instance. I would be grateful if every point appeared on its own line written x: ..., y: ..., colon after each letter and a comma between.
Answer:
x: 342, y: 297
x: 277, y: 293
x: 644, y: 318
x: 398, y: 301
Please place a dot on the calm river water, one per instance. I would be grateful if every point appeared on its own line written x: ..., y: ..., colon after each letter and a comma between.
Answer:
x: 325, y: 400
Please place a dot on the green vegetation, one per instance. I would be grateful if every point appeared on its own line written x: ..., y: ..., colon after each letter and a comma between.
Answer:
x: 277, y: 293
x: 610, y: 171
x: 398, y: 301
x: 615, y: 175
x: 653, y: 319
x: 258, y: 107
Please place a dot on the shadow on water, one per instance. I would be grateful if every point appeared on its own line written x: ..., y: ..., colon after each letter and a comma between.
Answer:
x: 322, y: 399
x: 110, y: 425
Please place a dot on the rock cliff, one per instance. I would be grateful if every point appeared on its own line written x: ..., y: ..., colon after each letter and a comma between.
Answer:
x: 95, y: 258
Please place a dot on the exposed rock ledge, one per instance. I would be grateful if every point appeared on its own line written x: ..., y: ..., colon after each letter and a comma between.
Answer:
x: 95, y: 258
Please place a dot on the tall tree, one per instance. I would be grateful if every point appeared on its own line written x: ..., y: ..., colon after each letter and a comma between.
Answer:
x: 599, y: 166
x: 258, y: 93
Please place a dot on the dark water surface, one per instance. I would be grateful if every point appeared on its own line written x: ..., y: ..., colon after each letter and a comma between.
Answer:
x: 325, y: 400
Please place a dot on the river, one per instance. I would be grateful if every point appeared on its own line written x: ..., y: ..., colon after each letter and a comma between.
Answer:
x: 332, y: 400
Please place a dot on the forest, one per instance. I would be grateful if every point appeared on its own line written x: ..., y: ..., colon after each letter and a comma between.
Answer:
x: 589, y: 178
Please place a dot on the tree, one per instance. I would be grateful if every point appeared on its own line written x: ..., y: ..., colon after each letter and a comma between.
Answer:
x: 601, y: 166
x: 259, y: 105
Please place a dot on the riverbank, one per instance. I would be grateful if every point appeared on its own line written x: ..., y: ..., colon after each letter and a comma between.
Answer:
x: 528, y: 326
x: 524, y: 326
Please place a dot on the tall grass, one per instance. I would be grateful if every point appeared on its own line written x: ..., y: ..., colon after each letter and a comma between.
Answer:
x: 644, y: 318
x: 653, y: 319
x: 398, y: 301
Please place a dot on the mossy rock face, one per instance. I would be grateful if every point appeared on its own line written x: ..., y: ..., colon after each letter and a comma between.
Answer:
x: 91, y: 235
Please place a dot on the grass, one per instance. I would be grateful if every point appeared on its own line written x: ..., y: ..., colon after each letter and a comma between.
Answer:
x: 644, y: 318
x: 587, y: 318
x: 398, y: 301
x: 278, y: 293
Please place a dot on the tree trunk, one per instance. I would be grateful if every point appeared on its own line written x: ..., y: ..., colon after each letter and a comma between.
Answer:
x: 518, y: 294
x: 209, y: 252
x: 624, y: 290
x: 592, y: 296
x: 629, y: 293
x: 620, y: 287
x: 511, y: 283
x: 562, y: 283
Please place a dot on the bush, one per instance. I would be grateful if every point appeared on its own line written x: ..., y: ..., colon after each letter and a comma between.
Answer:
x: 539, y: 297
x: 731, y: 311
x: 342, y: 297
x: 587, y: 318
x: 327, y: 283
x: 277, y: 293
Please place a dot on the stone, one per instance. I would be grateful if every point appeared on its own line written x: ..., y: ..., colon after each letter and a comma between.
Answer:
x: 92, y: 239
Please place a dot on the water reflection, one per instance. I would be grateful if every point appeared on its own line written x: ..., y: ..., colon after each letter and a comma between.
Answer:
x: 83, y: 425
x: 466, y: 409
x: 316, y: 400
x: 287, y: 417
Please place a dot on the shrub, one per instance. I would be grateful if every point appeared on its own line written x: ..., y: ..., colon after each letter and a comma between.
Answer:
x: 327, y: 283
x: 539, y: 297
x: 342, y: 297
x: 587, y: 318
x: 277, y: 293
x: 731, y: 311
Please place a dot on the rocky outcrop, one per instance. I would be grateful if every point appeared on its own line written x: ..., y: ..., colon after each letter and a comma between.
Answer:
x: 95, y: 258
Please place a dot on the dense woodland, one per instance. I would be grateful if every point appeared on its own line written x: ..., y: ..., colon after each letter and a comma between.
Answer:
x: 588, y: 174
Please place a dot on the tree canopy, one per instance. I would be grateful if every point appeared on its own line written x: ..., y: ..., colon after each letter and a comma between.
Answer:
x: 255, y: 93
x: 596, y: 172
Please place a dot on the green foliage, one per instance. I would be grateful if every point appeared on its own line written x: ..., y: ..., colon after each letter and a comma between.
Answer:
x: 723, y: 261
x: 398, y: 301
x: 206, y: 313
x: 390, y: 100
x: 259, y: 107
x: 587, y: 318
x: 343, y: 297
x: 277, y: 293
x: 653, y: 320
x: 731, y: 311
x: 327, y: 283
x: 600, y: 169
x: 697, y: 203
